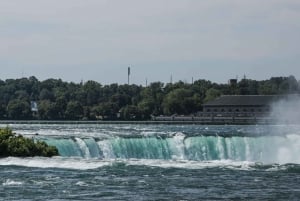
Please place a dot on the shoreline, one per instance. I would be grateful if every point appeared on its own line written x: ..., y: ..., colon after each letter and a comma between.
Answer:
x: 266, y: 122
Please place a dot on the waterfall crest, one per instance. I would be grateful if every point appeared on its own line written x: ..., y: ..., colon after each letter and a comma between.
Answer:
x: 267, y: 149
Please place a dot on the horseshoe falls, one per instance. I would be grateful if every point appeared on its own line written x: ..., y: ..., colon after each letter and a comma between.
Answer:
x: 156, y: 162
x: 267, y: 149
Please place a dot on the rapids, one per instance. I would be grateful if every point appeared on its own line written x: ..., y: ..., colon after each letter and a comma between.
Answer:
x: 156, y: 162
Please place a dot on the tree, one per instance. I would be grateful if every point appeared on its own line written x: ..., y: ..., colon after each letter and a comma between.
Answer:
x: 73, y: 101
x: 120, y: 100
x: 22, y: 95
x: 181, y: 101
x: 243, y: 86
x: 93, y: 92
x: 46, y: 94
x: 148, y: 106
x: 106, y: 110
x: 157, y: 94
x: 48, y: 110
x: 288, y: 86
x: 18, y: 109
x: 74, y: 110
x: 130, y: 112
x: 212, y: 94
x: 2, y: 111
x: 18, y: 146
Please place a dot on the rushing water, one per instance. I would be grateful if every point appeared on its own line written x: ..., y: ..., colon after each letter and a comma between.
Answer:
x: 156, y: 162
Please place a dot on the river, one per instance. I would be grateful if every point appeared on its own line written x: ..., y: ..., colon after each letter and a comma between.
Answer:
x: 156, y: 162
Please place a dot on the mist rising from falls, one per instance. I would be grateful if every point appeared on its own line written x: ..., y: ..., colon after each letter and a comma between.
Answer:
x: 287, y: 110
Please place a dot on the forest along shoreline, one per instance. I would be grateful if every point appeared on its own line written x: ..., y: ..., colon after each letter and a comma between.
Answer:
x: 54, y: 99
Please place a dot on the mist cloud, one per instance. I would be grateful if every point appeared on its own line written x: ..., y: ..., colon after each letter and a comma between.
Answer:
x: 286, y: 110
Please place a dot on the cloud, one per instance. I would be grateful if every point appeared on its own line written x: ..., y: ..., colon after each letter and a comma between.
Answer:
x: 76, y: 32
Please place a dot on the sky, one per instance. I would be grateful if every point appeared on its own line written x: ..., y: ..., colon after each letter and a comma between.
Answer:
x: 80, y: 40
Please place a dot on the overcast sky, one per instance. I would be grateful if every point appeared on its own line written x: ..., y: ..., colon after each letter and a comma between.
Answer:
x: 98, y: 39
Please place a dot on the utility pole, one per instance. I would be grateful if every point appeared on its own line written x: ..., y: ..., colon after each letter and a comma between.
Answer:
x: 128, y: 75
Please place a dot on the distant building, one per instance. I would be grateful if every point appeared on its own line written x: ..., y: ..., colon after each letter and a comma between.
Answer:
x: 34, y: 106
x: 241, y: 104
x: 232, y: 82
x: 241, y: 109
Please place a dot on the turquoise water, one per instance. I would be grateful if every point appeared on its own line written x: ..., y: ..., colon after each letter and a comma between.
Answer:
x: 157, y: 162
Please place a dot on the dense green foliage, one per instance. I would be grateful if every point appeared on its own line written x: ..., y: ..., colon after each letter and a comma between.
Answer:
x: 19, y: 146
x: 58, y: 100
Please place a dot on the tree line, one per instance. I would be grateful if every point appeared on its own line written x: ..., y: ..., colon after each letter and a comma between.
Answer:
x: 59, y: 100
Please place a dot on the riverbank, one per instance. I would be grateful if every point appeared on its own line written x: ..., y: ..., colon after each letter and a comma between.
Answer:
x: 202, y: 122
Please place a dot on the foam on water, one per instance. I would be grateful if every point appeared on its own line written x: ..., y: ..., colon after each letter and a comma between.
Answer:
x: 84, y: 164
x: 10, y: 182
x: 89, y: 164
x: 56, y: 162
x: 186, y: 164
x: 81, y: 183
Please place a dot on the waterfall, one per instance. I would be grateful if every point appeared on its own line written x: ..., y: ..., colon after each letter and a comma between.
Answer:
x: 93, y: 148
x: 180, y: 147
x: 66, y: 147
x: 106, y: 147
x: 85, y: 152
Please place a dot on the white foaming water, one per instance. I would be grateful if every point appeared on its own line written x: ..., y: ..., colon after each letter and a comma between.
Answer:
x: 10, y: 182
x: 228, y: 143
x: 220, y: 147
x: 178, y: 146
x: 185, y: 164
x: 106, y: 149
x: 88, y: 164
x: 59, y: 130
x: 289, y: 151
x: 55, y: 162
x: 248, y: 152
x: 84, y: 149
x: 81, y: 183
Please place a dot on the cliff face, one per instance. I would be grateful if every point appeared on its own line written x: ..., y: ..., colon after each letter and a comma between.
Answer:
x: 19, y: 146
